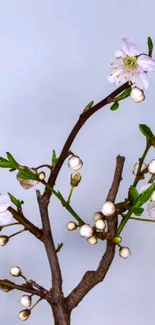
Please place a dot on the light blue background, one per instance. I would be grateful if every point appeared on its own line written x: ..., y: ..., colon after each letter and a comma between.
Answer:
x: 54, y: 59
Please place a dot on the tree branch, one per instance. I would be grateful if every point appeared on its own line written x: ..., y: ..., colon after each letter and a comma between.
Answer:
x: 26, y: 223
x: 21, y: 287
x: 92, y: 278
x: 48, y: 241
x: 82, y: 119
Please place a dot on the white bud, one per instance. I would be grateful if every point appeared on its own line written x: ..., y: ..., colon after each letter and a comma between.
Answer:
x: 26, y: 301
x: 97, y: 216
x: 71, y: 225
x: 108, y: 208
x: 4, y: 240
x: 153, y: 196
x: 86, y: 231
x: 124, y: 252
x: 24, y: 314
x: 151, y: 167
x: 75, y: 163
x: 144, y: 166
x: 100, y: 224
x: 92, y: 240
x: 41, y: 176
x: 137, y: 95
x: 15, y: 271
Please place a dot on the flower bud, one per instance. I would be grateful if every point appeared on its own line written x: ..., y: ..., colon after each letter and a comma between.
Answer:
x: 26, y: 301
x: 92, y: 240
x: 28, y: 183
x: 108, y: 208
x: 117, y: 240
x: 75, y: 162
x: 24, y: 314
x: 153, y: 196
x: 75, y: 179
x: 15, y: 271
x: 41, y: 176
x: 151, y: 167
x: 86, y: 231
x: 124, y: 252
x: 98, y: 215
x: 71, y: 225
x: 4, y: 240
x: 137, y: 95
x: 144, y: 166
x: 100, y: 224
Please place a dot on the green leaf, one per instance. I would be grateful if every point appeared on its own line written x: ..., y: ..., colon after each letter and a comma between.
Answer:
x: 137, y: 210
x: 146, y: 131
x: 54, y: 158
x: 11, y: 159
x: 114, y: 106
x: 150, y: 45
x: 125, y: 94
x: 145, y: 196
x: 15, y: 201
x: 90, y: 105
x: 26, y: 174
x: 3, y: 159
x: 133, y: 194
x: 5, y: 164
x: 12, y: 169
x: 59, y: 247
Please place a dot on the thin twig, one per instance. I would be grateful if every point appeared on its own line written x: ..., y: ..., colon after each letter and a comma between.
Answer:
x: 82, y: 119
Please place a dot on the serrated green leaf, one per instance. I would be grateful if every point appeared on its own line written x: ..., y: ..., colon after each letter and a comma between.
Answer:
x: 114, y: 106
x: 5, y: 164
x: 11, y: 159
x: 15, y: 201
x: 137, y: 210
x: 90, y: 105
x: 54, y: 157
x: 26, y: 174
x: 125, y: 94
x: 146, y: 131
x: 133, y: 194
x: 145, y: 196
x: 3, y: 159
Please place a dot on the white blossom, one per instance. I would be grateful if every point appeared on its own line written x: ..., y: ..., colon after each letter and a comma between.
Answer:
x: 131, y: 65
x: 124, y: 252
x: 92, y: 240
x: 151, y: 209
x: 15, y: 271
x: 100, y: 224
x: 71, y: 225
x: 86, y: 231
x: 74, y: 162
x: 108, y: 208
x: 144, y: 166
x: 26, y: 301
x: 151, y: 167
x: 137, y: 95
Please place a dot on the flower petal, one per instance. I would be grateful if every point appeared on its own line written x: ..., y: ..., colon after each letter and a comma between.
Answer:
x: 5, y: 201
x: 129, y: 47
x: 113, y: 76
x: 146, y: 63
x: 119, y: 54
x: 141, y: 80
x: 5, y: 217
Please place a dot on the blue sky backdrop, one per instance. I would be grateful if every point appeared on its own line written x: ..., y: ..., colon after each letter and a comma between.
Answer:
x: 54, y: 59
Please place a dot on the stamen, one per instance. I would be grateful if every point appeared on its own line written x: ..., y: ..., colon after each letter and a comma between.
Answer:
x: 118, y: 75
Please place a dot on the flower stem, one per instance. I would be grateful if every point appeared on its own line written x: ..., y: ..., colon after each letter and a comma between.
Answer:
x: 70, y: 194
x: 36, y: 303
x: 141, y: 219
x: 10, y: 224
x: 64, y: 203
x: 123, y: 223
x: 17, y: 233
x: 45, y: 165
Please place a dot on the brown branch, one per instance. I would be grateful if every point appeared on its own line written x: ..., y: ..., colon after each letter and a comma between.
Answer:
x: 26, y: 223
x: 48, y: 241
x: 82, y: 119
x: 22, y: 287
x: 92, y: 278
